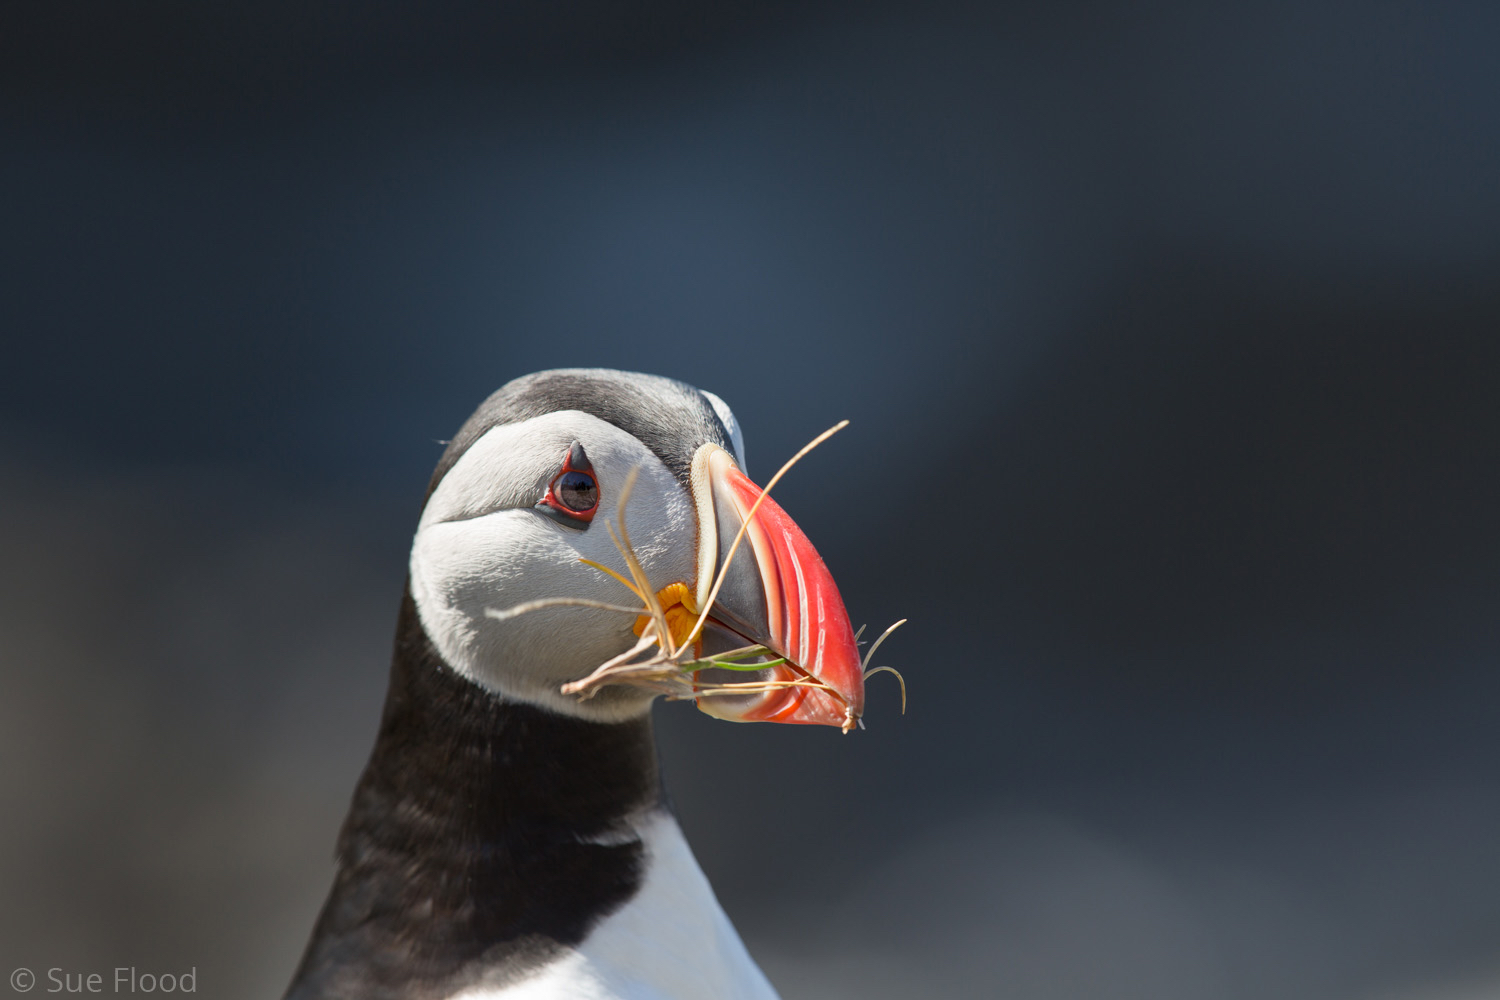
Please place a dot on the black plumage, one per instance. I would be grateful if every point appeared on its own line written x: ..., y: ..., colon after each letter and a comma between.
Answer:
x: 467, y: 849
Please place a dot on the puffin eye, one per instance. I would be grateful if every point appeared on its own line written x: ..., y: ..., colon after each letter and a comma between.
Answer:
x: 576, y: 491
x: 573, y: 495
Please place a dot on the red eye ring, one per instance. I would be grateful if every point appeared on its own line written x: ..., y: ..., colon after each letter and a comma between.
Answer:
x: 573, y: 494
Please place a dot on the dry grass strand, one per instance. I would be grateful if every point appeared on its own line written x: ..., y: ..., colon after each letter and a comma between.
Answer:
x: 902, y: 680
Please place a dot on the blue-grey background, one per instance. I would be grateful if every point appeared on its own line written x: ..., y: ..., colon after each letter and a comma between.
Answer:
x: 1170, y: 334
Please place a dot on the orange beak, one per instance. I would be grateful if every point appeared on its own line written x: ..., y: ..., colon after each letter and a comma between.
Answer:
x: 776, y: 593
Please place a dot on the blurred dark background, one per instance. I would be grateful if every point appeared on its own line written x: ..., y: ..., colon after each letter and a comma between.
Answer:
x: 1170, y: 334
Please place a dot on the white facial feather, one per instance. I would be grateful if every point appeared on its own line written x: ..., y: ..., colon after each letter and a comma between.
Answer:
x: 481, y: 546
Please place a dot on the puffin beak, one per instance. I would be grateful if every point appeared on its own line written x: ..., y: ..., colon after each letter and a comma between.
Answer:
x: 776, y: 593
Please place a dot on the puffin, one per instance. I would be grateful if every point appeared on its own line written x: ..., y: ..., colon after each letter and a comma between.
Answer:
x: 510, y: 837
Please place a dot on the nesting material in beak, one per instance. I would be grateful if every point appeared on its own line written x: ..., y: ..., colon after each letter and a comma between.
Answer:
x: 761, y: 635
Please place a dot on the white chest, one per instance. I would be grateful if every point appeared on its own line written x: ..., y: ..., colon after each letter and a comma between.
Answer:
x: 671, y: 942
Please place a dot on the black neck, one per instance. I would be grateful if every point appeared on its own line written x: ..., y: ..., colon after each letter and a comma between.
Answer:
x: 469, y: 853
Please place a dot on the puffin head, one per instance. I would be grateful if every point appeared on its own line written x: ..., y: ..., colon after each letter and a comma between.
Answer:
x: 517, y: 509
